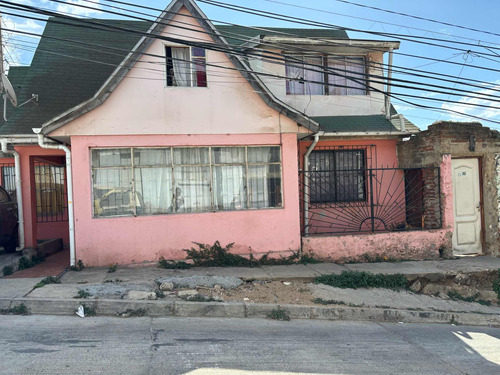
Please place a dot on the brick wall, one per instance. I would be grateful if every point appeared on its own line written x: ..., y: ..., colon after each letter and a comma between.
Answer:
x: 453, y: 138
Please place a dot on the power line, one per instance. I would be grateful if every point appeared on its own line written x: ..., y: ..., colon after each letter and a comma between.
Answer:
x: 232, y: 51
x: 418, y: 17
x: 373, y: 20
x: 378, y: 50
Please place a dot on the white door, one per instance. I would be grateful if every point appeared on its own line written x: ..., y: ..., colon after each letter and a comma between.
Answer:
x: 466, y: 206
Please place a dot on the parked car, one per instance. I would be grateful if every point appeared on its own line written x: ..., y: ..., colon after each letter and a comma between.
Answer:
x: 8, y: 222
x: 117, y: 202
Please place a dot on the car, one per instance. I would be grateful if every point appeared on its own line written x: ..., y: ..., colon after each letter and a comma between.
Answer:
x: 8, y: 222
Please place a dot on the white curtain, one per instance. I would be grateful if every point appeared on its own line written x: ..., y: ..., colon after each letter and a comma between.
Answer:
x: 182, y: 68
x: 313, y: 73
x: 355, y: 68
x: 229, y: 180
x: 295, y: 72
x: 336, y: 78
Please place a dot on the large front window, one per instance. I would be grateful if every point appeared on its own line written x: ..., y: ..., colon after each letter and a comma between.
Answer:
x: 167, y: 180
x: 325, y: 75
x: 337, y: 176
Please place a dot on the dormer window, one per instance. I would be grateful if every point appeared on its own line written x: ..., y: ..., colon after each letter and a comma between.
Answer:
x: 325, y: 75
x: 186, y: 66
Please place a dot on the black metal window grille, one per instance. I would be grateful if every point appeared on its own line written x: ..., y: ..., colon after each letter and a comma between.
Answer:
x: 397, y: 199
x: 51, y: 194
x: 9, y: 178
x: 337, y: 176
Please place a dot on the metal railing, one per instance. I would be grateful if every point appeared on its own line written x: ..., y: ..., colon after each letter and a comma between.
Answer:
x: 350, y: 201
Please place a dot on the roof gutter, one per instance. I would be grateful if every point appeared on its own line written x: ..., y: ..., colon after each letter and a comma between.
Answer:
x: 69, y: 181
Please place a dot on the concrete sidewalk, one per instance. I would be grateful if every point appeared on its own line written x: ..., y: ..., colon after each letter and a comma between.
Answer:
x: 133, y: 289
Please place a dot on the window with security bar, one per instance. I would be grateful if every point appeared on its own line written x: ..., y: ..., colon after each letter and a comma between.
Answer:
x: 169, y: 180
x: 50, y: 189
x: 337, y: 176
x: 9, y: 179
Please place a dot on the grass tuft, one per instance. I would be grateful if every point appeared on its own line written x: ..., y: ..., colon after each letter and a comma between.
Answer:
x: 278, y: 314
x: 355, y: 279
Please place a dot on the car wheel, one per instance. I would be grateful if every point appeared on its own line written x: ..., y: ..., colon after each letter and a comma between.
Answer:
x: 11, y: 244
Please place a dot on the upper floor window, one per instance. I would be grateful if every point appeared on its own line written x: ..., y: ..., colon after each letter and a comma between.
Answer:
x: 325, y: 75
x: 186, y: 66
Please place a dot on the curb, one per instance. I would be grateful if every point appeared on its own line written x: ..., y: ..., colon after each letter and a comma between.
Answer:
x: 162, y: 308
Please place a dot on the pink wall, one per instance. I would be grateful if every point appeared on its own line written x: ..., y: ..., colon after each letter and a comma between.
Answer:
x: 396, y: 245
x: 33, y: 230
x: 102, y: 241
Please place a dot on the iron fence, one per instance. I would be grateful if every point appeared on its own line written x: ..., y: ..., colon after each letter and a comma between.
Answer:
x: 8, y: 178
x: 51, y: 192
x: 367, y: 200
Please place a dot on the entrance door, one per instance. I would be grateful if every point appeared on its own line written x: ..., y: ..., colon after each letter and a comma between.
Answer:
x: 466, y: 206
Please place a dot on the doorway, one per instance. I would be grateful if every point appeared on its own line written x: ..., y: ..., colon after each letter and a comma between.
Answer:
x: 467, y: 236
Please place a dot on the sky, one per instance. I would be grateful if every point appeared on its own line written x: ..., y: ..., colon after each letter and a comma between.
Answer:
x: 472, y: 62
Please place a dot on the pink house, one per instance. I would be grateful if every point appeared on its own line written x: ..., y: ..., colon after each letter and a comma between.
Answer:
x: 179, y: 131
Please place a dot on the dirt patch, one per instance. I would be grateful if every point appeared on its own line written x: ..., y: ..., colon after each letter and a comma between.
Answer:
x: 288, y: 292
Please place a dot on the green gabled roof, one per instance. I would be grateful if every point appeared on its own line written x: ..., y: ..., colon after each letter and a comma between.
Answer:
x: 65, y: 74
x: 234, y: 34
x: 361, y: 124
x: 16, y: 75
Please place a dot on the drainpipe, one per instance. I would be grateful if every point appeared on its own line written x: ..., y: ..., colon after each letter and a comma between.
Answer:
x: 388, y: 87
x: 19, y: 195
x: 69, y: 181
x: 306, y: 181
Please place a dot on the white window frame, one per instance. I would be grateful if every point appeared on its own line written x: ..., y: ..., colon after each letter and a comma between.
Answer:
x: 190, y: 48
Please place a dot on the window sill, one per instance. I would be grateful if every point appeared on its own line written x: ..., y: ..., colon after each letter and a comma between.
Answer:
x: 188, y: 213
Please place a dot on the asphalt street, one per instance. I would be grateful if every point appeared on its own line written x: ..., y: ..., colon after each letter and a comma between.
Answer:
x: 39, y: 344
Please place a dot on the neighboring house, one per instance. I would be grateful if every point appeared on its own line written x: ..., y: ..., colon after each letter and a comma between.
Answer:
x: 196, y: 136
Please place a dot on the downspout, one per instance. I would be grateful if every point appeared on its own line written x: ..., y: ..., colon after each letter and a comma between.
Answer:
x: 388, y: 87
x: 306, y: 181
x: 19, y: 195
x: 69, y: 181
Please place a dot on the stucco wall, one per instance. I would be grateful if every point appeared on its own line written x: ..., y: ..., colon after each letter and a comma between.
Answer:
x: 449, y: 138
x: 142, y: 104
x: 102, y: 241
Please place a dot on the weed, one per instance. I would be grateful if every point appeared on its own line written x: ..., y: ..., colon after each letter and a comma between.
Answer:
x: 133, y: 313
x: 89, y: 311
x: 16, y: 310
x: 171, y: 264
x: 456, y: 296
x: 278, y: 314
x: 308, y: 259
x: 112, y: 268
x: 8, y: 270
x: 47, y: 280
x: 82, y: 294
x: 159, y: 293
x: 200, y: 298
x: 25, y: 263
x: 453, y: 321
x: 217, y: 255
x: 355, y: 279
x: 496, y: 285
x: 322, y: 301
x: 78, y: 267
